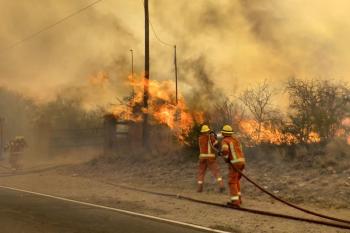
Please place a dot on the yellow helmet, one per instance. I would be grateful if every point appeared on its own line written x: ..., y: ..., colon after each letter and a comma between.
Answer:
x: 227, y: 129
x: 205, y: 129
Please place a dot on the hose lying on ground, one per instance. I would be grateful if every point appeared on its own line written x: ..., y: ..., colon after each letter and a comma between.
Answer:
x: 11, y: 173
x: 260, y: 212
x: 225, y: 206
x: 288, y: 203
x: 280, y: 199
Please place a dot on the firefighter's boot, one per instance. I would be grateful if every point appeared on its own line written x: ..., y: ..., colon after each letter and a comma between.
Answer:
x: 222, y: 189
x: 234, y: 204
x: 200, y: 188
x: 221, y: 185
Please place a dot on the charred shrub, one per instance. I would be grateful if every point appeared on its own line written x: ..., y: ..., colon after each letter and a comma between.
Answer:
x: 191, y: 140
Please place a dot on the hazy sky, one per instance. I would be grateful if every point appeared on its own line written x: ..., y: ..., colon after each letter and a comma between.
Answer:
x: 233, y: 42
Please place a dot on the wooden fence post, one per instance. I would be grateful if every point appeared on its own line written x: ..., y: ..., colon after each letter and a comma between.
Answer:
x: 109, y: 125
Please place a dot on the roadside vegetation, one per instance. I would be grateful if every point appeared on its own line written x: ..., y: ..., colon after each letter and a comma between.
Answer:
x: 316, y: 121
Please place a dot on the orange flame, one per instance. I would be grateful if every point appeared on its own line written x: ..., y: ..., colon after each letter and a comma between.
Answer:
x: 162, y: 107
x: 269, y: 134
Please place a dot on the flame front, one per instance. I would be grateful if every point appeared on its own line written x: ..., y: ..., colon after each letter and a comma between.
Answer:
x: 269, y: 134
x: 162, y: 109
x: 162, y: 106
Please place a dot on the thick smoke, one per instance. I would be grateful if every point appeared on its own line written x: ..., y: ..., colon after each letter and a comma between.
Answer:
x: 248, y: 40
x: 65, y: 56
x: 229, y: 44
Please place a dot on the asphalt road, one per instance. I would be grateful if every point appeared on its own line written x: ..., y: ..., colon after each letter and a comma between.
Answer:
x: 28, y: 213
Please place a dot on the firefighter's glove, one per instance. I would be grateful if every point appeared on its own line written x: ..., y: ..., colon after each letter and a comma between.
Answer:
x: 214, y: 134
x: 227, y: 160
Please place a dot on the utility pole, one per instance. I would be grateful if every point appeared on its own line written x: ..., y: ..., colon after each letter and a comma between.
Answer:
x: 145, y: 131
x: 175, y: 63
x: 132, y: 70
x: 132, y: 62
x: 177, y: 113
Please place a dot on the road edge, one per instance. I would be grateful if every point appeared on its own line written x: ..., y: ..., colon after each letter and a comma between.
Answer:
x: 117, y: 210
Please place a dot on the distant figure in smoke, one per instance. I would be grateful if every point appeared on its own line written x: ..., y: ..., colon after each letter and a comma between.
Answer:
x: 232, y: 152
x: 207, y: 158
x: 16, y: 148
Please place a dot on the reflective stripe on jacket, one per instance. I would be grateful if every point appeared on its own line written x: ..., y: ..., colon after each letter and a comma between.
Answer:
x: 205, y: 149
x: 232, y: 150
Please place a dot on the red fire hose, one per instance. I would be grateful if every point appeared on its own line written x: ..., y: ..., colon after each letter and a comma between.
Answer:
x: 279, y: 199
x: 286, y: 202
x: 259, y: 212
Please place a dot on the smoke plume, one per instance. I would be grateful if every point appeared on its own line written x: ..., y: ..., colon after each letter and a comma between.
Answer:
x: 229, y: 44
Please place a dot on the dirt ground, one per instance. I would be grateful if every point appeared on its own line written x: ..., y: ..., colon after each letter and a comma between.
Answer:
x: 83, y: 178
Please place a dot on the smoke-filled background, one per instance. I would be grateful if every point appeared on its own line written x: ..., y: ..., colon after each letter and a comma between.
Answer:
x: 231, y: 43
x: 275, y: 70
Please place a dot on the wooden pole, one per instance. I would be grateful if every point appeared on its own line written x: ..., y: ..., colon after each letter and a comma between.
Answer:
x: 146, y: 79
x: 175, y: 63
x: 132, y: 70
x: 132, y: 62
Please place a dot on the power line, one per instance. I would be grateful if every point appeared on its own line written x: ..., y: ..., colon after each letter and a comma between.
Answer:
x: 175, y: 56
x: 31, y: 36
x: 155, y: 33
x: 157, y: 37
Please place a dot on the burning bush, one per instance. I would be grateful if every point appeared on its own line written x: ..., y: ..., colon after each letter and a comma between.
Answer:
x: 162, y: 107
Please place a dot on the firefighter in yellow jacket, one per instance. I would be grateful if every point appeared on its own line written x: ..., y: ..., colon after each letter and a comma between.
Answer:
x: 207, y: 158
x: 232, y: 152
x: 16, y: 148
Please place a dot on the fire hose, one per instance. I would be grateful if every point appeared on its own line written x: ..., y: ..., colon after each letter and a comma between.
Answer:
x: 288, y: 203
x: 277, y: 198
x: 253, y: 211
x: 31, y: 170
x: 7, y: 168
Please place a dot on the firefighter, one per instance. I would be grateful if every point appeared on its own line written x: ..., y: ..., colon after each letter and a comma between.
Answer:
x: 231, y: 150
x: 207, y: 158
x: 16, y: 148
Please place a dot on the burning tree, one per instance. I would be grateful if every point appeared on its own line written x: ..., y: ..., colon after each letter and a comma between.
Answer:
x: 162, y: 108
